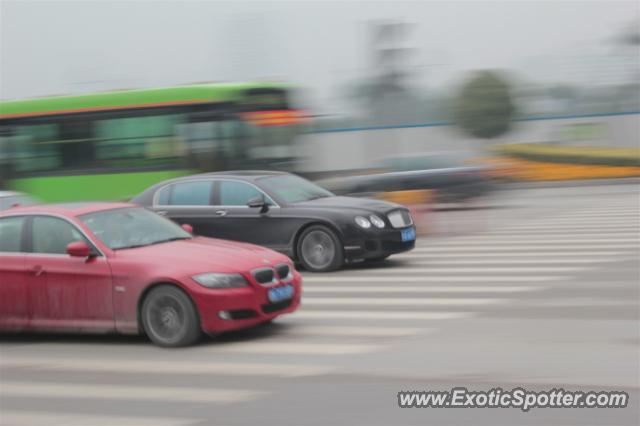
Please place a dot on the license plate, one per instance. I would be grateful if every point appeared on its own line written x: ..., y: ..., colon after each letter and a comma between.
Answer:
x: 278, y: 294
x: 408, y: 234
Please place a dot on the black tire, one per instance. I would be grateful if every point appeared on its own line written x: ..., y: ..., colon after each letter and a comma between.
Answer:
x: 169, y: 317
x: 319, y: 249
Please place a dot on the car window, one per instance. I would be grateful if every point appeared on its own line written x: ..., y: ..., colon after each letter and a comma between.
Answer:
x: 51, y: 235
x: 196, y: 193
x: 234, y: 193
x: 132, y: 227
x: 293, y: 189
x: 11, y: 234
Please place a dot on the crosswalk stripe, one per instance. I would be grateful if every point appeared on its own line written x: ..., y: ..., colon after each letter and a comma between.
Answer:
x: 429, y: 279
x: 293, y: 348
x: 128, y: 392
x: 399, y: 272
x: 572, y: 261
x: 418, y: 289
x: 545, y: 254
x: 630, y: 211
x: 597, y: 216
x: 519, y: 246
x: 382, y: 315
x: 165, y: 367
x: 50, y: 418
x: 514, y: 239
x: 584, y: 221
x: 328, y: 330
x: 614, y: 229
x: 567, y: 232
x: 398, y: 301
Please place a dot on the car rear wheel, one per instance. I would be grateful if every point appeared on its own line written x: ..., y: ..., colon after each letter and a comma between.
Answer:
x: 319, y: 249
x: 169, y: 317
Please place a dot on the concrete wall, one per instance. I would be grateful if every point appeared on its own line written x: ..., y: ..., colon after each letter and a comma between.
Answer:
x: 352, y: 149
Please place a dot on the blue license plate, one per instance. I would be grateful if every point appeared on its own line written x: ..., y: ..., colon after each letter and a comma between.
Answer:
x: 408, y: 234
x: 278, y: 294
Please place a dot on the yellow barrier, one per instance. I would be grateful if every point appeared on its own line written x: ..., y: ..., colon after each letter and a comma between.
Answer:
x: 516, y: 168
x: 412, y: 197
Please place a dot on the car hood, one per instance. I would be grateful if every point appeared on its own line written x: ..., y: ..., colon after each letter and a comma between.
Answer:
x: 201, y: 254
x: 351, y: 203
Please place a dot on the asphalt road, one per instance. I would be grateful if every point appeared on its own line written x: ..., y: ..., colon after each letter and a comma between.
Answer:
x: 539, y: 292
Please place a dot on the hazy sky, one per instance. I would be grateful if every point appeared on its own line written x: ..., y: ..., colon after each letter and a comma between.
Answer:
x: 56, y: 47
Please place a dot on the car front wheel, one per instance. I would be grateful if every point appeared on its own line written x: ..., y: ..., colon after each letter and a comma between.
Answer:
x: 169, y: 317
x: 319, y: 249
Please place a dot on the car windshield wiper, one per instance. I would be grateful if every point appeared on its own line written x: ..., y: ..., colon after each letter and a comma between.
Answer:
x: 132, y: 246
x: 171, y: 239
x: 152, y: 243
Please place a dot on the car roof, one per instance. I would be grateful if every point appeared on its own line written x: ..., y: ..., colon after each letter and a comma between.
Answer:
x: 67, y: 209
x: 245, y: 174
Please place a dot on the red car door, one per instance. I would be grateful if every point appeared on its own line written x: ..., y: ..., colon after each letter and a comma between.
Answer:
x: 67, y: 292
x: 14, y: 308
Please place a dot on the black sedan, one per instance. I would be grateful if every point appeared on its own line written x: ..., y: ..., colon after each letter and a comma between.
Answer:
x: 286, y: 213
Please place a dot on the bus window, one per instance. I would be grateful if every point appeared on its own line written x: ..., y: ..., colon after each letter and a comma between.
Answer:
x: 35, y: 148
x: 215, y: 145
x: 137, y: 141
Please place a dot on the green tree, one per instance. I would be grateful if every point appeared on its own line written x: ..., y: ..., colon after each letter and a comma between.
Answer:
x: 484, y: 107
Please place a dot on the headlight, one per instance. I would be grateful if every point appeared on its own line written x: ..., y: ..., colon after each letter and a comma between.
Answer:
x: 362, y: 222
x: 377, y: 222
x: 212, y: 280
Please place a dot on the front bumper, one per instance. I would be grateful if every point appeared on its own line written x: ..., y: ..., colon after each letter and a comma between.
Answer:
x: 376, y: 243
x: 243, y: 307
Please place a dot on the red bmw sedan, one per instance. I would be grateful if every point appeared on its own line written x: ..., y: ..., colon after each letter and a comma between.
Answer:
x: 115, y: 267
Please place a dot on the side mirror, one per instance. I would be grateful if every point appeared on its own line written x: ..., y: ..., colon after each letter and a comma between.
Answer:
x: 78, y: 249
x: 187, y: 227
x: 258, y: 202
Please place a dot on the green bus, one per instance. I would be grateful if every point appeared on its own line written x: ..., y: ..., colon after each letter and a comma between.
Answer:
x: 112, y: 145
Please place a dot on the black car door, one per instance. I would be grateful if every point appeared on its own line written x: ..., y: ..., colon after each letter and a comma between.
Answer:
x: 235, y: 220
x: 188, y: 202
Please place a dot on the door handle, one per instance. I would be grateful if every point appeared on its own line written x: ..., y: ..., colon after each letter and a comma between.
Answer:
x: 221, y: 212
x: 37, y: 270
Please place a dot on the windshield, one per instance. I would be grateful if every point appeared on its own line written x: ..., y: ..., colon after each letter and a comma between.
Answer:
x: 132, y: 227
x: 293, y: 189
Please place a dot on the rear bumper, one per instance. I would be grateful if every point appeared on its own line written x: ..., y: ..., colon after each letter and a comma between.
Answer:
x: 377, y: 243
x: 239, y: 308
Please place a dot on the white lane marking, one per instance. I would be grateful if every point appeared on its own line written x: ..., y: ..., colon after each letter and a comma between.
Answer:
x: 382, y: 315
x: 165, y: 367
x: 488, y: 240
x: 572, y: 226
x: 519, y: 246
x: 601, y: 214
x: 128, y: 392
x: 291, y: 348
x: 52, y: 418
x: 400, y: 301
x: 328, y: 330
x: 417, y: 289
x: 427, y: 279
x: 398, y: 272
x: 575, y: 302
x: 553, y: 254
x: 581, y: 221
x: 572, y: 261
